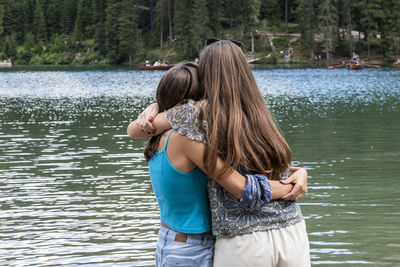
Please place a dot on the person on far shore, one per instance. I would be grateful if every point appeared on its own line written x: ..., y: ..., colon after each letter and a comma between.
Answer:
x: 398, y: 60
x: 147, y: 63
x: 355, y: 59
x: 287, y: 58
x: 157, y: 63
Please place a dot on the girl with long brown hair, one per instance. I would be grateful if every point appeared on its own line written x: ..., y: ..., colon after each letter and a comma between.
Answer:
x: 243, y: 133
x: 176, y: 164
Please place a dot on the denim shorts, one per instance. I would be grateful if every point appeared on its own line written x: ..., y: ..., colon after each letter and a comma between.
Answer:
x: 198, y: 250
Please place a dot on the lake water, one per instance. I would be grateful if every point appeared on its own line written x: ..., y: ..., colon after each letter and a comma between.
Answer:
x: 75, y: 190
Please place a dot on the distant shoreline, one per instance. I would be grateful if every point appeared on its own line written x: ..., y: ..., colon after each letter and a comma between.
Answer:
x: 93, y: 67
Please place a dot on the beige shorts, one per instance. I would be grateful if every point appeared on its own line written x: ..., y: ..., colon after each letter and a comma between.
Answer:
x: 285, y: 247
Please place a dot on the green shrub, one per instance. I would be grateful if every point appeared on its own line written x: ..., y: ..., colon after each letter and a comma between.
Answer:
x: 89, y: 43
x: 81, y: 60
x: 153, y: 56
x: 23, y: 57
x: 295, y: 61
x: 56, y: 45
x: 47, y: 58
x: 94, y: 57
x: 292, y: 27
x: 295, y: 43
x: 104, y: 61
x: 36, y: 60
x: 273, y: 59
x: 10, y: 46
x: 389, y: 59
x: 2, y: 56
x: 274, y: 28
x: 67, y: 58
x: 53, y: 58
x: 281, y: 42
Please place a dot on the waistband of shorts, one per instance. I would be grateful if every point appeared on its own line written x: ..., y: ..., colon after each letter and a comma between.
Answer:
x: 171, y: 235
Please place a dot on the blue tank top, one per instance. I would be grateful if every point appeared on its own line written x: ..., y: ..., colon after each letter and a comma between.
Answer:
x: 181, y: 196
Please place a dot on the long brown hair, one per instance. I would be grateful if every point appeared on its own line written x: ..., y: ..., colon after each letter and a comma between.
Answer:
x: 178, y: 84
x: 241, y: 129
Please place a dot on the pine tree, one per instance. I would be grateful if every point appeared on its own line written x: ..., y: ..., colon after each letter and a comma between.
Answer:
x: 39, y: 24
x: 82, y: 20
x: 10, y: 46
x: 13, y: 22
x: 152, y: 17
x: 216, y: 14
x: 161, y: 10
x: 28, y: 7
x: 112, y: 33
x: 239, y: 16
x: 29, y: 43
x: 100, y: 20
x: 1, y: 18
x: 347, y: 16
x: 371, y: 13
x: 328, y: 17
x: 68, y: 13
x: 391, y: 28
x: 270, y: 11
x: 286, y: 15
x: 252, y: 11
x: 128, y: 30
x: 53, y: 13
x: 308, y: 23
x: 169, y: 10
x: 200, y: 30
x: 246, y: 13
x: 183, y: 24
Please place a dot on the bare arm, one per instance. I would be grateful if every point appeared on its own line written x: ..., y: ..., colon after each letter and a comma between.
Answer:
x: 159, y: 123
x: 232, y: 181
x: 279, y: 191
x: 298, y: 178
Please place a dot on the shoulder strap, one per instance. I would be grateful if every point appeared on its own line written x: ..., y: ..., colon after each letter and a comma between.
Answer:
x: 166, y: 140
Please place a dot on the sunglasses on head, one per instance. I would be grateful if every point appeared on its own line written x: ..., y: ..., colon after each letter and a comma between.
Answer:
x: 213, y: 40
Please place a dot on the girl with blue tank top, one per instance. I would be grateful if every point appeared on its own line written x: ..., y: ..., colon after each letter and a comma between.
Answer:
x: 185, y: 238
x: 180, y: 185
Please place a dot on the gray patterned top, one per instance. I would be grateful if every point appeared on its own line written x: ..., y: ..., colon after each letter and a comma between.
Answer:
x: 228, y: 217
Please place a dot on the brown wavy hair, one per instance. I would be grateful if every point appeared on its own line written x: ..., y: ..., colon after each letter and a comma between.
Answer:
x: 241, y: 129
x: 177, y: 85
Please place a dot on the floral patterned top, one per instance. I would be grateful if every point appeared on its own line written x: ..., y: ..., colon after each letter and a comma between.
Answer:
x: 228, y: 217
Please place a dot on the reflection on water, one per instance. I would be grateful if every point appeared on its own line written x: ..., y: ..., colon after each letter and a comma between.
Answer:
x: 75, y: 190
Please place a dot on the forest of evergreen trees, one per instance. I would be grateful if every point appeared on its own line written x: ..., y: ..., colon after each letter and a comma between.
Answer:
x: 126, y: 31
